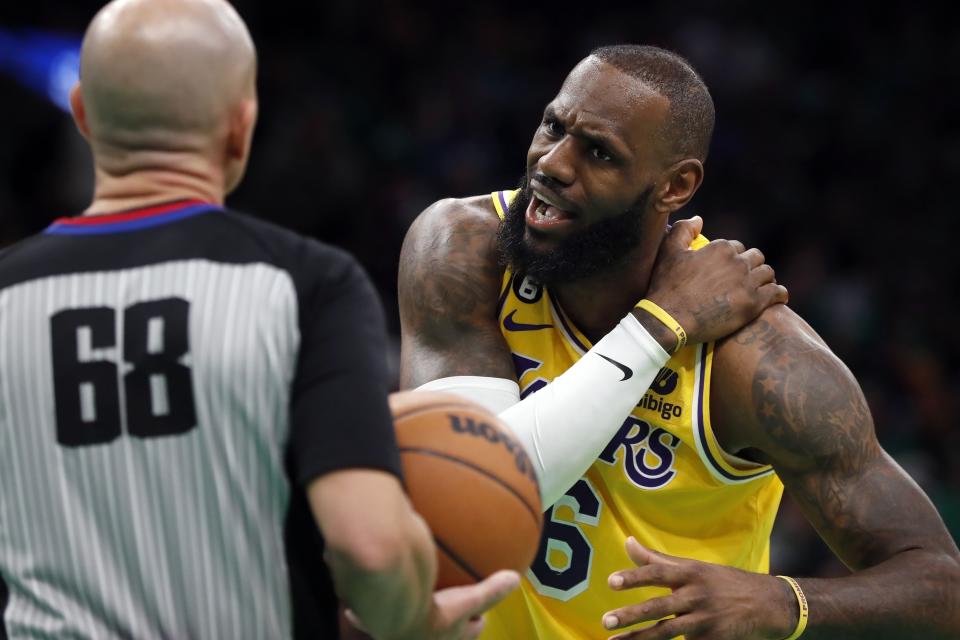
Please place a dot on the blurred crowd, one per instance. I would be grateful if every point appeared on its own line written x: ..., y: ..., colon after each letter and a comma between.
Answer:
x: 836, y: 152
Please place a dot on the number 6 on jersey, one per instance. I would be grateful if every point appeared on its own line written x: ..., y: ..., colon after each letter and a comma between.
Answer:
x: 567, y: 540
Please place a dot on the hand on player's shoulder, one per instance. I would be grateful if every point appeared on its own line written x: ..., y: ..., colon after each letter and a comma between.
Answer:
x: 715, y: 290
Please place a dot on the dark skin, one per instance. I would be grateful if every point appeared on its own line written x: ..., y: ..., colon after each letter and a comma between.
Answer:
x: 449, y: 279
x: 780, y: 396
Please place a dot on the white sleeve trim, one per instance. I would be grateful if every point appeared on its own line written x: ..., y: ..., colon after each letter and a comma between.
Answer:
x: 493, y: 394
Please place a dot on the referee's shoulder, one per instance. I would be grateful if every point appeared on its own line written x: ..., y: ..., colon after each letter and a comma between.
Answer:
x: 16, y: 260
x: 302, y: 256
x: 13, y: 251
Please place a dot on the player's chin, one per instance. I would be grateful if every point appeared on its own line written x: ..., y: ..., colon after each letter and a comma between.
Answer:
x: 539, y: 246
x: 541, y: 241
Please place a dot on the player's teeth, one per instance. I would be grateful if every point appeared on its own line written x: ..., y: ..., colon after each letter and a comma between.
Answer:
x: 547, y: 200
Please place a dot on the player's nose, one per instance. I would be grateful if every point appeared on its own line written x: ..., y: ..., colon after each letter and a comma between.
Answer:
x: 558, y: 162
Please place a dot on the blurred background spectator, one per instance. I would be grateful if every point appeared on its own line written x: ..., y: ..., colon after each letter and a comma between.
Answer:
x: 836, y: 151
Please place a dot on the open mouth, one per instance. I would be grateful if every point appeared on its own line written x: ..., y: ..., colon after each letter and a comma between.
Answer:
x: 545, y: 213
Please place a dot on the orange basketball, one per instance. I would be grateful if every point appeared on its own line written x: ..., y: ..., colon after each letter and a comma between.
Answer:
x: 472, y: 482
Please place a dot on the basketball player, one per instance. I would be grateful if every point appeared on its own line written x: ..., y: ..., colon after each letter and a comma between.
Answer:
x: 177, y: 378
x: 686, y: 475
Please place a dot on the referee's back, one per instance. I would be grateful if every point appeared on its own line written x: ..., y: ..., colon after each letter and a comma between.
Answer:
x: 189, y: 398
x: 168, y: 376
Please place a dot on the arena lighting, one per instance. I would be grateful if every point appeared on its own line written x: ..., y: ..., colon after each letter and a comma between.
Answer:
x: 46, y: 62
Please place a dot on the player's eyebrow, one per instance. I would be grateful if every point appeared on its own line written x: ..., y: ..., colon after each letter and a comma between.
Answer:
x: 598, y: 133
x: 612, y: 143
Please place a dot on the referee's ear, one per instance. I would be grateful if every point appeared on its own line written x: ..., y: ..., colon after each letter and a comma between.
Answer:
x: 242, y: 121
x: 79, y: 111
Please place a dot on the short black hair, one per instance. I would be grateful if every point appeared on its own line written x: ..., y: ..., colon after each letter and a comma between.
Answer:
x: 690, y: 123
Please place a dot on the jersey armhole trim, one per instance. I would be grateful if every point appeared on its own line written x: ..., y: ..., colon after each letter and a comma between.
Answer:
x: 502, y: 200
x: 713, y: 456
x: 504, y: 292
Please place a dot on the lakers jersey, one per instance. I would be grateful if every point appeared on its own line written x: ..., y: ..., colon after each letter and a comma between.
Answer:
x: 663, y: 479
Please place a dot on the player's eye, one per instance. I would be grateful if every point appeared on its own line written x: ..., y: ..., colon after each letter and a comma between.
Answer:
x: 600, y: 153
x: 552, y: 127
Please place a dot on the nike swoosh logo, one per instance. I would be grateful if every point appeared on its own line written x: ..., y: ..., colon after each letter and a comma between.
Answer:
x: 510, y: 325
x: 627, y: 371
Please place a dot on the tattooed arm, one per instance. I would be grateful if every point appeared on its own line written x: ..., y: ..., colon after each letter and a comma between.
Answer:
x: 449, y: 284
x: 449, y: 291
x: 791, y: 402
x: 450, y: 277
x: 779, y: 396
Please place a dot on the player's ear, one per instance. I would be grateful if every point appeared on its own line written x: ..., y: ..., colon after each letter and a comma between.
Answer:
x: 79, y: 111
x: 242, y: 121
x: 680, y: 181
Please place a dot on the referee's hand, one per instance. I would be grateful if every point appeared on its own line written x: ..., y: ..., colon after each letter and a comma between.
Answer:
x: 458, y: 611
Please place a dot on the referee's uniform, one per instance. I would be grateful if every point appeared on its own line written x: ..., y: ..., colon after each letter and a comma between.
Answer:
x: 170, y: 379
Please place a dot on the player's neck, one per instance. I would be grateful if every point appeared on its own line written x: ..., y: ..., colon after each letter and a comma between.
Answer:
x: 120, y: 192
x: 597, y: 304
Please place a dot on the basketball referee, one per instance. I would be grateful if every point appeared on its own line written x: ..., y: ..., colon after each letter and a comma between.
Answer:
x: 180, y: 385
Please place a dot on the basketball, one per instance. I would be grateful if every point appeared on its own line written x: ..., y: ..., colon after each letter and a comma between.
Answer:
x: 472, y: 482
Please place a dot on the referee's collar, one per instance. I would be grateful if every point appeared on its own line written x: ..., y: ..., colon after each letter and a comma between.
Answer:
x: 130, y: 219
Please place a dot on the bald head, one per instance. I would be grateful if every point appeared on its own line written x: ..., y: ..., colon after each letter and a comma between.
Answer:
x: 158, y: 74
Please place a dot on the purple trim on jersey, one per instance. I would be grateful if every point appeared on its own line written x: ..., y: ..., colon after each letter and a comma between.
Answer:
x: 503, y: 294
x: 703, y: 430
x: 73, y: 227
x: 503, y: 202
x: 566, y: 328
x: 506, y: 288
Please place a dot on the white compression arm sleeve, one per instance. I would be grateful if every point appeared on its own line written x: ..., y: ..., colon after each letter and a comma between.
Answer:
x: 566, y: 424
x: 493, y: 394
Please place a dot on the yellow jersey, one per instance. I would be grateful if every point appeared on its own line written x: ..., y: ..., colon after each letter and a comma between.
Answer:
x: 662, y: 479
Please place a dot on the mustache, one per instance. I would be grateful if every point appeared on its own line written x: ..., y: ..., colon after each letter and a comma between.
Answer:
x: 545, y: 180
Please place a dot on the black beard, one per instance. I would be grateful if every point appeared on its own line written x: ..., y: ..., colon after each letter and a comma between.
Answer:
x: 588, y: 252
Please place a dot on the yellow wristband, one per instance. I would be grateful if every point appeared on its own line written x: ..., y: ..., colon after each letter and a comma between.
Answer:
x: 804, y: 609
x: 657, y: 312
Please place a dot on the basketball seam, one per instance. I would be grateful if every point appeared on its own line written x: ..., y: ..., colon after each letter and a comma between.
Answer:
x: 432, y: 407
x: 478, y: 469
x: 457, y: 560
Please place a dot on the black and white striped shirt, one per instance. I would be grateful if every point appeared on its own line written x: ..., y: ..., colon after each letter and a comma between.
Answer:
x: 170, y: 379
